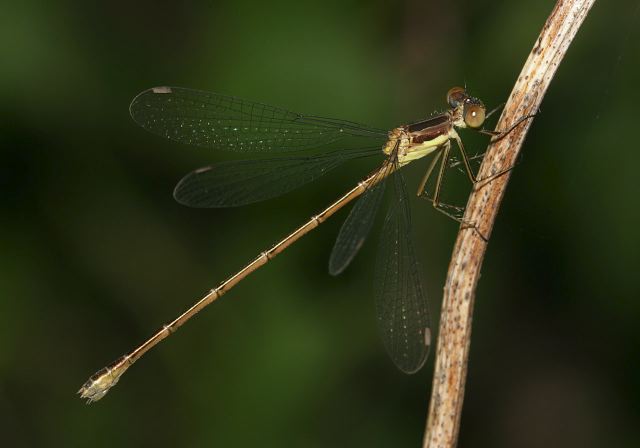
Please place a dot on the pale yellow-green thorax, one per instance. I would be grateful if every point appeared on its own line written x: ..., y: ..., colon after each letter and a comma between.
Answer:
x: 414, y: 141
x: 410, y: 146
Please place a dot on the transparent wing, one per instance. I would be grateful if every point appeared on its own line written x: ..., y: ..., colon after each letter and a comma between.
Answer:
x: 355, y: 229
x: 231, y: 184
x: 227, y: 123
x: 401, y: 306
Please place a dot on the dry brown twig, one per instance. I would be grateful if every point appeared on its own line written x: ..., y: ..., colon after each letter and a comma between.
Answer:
x: 454, y: 338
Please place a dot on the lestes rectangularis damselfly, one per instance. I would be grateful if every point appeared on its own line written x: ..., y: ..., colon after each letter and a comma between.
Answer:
x: 226, y: 123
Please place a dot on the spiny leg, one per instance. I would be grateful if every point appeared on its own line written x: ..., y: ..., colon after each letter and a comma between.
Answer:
x: 465, y: 159
x: 494, y: 110
x: 427, y: 175
x: 499, y: 135
x: 443, y: 156
x: 442, y: 207
x: 435, y: 201
x: 422, y: 192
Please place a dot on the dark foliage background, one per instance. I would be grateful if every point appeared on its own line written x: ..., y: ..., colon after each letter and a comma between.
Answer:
x: 96, y: 254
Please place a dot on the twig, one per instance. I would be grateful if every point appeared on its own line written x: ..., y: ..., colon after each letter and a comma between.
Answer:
x: 454, y: 339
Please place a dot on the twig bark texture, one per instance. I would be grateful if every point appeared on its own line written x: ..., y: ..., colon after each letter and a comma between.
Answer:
x: 454, y: 337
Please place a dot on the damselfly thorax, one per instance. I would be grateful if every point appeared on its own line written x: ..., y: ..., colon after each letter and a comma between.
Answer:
x: 417, y: 140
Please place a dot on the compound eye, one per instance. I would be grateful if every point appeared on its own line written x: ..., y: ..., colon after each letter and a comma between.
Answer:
x: 456, y: 96
x: 474, y: 115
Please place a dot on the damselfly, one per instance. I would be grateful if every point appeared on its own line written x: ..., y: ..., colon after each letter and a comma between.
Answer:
x: 226, y: 123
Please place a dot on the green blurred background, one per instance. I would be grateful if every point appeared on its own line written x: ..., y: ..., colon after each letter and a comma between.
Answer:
x: 96, y: 254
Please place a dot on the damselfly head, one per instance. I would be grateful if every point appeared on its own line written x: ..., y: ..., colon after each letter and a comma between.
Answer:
x: 471, y: 109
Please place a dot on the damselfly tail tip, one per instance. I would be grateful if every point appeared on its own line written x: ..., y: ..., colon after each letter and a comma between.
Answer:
x: 99, y: 383
x: 92, y: 391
